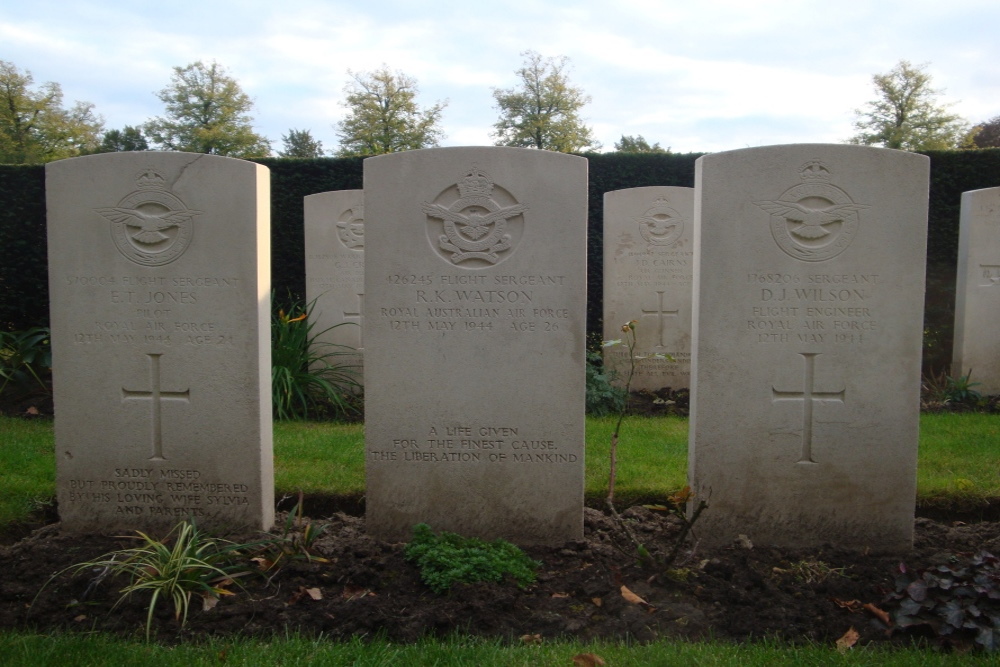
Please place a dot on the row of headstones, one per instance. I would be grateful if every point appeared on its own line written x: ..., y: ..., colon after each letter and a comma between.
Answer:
x: 805, y: 326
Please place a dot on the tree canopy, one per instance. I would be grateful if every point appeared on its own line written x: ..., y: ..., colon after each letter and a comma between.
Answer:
x: 34, y: 125
x: 300, y: 144
x: 985, y: 134
x: 128, y: 138
x: 383, y: 116
x: 638, y: 144
x: 906, y: 114
x: 543, y: 110
x: 206, y: 112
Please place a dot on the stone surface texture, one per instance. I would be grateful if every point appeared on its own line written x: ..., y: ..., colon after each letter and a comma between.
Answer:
x: 335, y: 272
x: 809, y: 284
x: 159, y: 275
x: 977, y: 294
x: 648, y: 264
x: 475, y: 308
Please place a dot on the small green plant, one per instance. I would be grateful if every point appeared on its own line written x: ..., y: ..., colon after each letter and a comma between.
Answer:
x: 296, y: 541
x: 309, y: 376
x: 603, y: 398
x: 193, y: 564
x: 944, y: 389
x: 811, y: 571
x: 960, y: 389
x: 447, y: 558
x: 957, y: 602
x: 25, y: 357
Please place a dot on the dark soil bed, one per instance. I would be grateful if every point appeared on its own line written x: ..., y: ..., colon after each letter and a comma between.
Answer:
x: 366, y: 587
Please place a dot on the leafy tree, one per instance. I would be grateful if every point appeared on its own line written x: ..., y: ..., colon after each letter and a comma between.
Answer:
x: 206, y: 112
x: 382, y: 116
x: 985, y: 135
x: 543, y: 110
x: 127, y: 139
x: 300, y: 143
x: 638, y: 144
x: 34, y: 126
x: 906, y: 114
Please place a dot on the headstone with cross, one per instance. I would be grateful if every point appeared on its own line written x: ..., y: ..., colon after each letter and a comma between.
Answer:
x: 808, y: 327
x: 335, y: 261
x: 159, y: 283
x: 648, y: 264
x: 977, y: 295
x: 475, y: 308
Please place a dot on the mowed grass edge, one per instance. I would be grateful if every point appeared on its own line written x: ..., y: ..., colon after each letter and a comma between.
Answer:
x: 959, y: 460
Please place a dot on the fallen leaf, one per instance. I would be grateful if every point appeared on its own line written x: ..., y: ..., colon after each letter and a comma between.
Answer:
x: 208, y: 602
x: 850, y: 605
x: 81, y: 617
x: 743, y: 542
x: 264, y: 564
x: 314, y: 593
x: 682, y: 496
x: 31, y: 411
x: 849, y: 639
x: 560, y: 595
x: 877, y: 613
x: 588, y: 660
x: 531, y: 639
x: 632, y: 597
x: 597, y: 601
x: 296, y: 596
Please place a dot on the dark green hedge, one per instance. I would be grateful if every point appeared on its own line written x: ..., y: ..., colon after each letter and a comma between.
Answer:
x: 23, y: 266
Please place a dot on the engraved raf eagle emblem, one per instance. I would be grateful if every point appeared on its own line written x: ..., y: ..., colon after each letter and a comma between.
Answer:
x: 661, y: 225
x: 351, y: 228
x: 150, y: 226
x: 475, y: 224
x: 811, y: 222
x: 814, y: 220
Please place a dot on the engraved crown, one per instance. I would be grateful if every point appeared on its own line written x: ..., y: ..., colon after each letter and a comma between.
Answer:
x: 475, y: 184
x: 149, y: 178
x: 814, y: 171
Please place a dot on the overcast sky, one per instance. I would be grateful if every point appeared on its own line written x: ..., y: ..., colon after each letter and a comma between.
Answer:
x: 694, y: 76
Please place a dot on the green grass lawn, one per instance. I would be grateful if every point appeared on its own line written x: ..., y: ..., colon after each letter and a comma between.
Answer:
x: 24, y: 649
x: 959, y: 460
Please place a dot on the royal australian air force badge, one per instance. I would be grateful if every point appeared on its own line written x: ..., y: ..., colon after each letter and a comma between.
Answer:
x: 151, y: 226
x: 474, y: 223
x: 814, y: 220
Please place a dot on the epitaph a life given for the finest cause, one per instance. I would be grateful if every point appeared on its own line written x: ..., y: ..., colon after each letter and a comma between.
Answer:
x: 809, y: 284
x: 159, y: 275
x: 475, y: 300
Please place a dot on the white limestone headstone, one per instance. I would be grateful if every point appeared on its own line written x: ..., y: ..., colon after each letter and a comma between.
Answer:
x: 648, y: 264
x: 977, y: 294
x: 335, y: 273
x: 159, y: 276
x: 809, y: 285
x: 475, y: 308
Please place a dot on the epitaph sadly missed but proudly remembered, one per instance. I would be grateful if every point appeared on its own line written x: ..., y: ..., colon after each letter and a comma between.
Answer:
x: 159, y: 280
x: 809, y: 283
x: 648, y: 264
x: 475, y: 300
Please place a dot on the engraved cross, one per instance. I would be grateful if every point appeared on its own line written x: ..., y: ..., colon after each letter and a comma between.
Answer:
x: 156, y: 395
x: 660, y: 314
x: 360, y: 317
x: 808, y: 396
